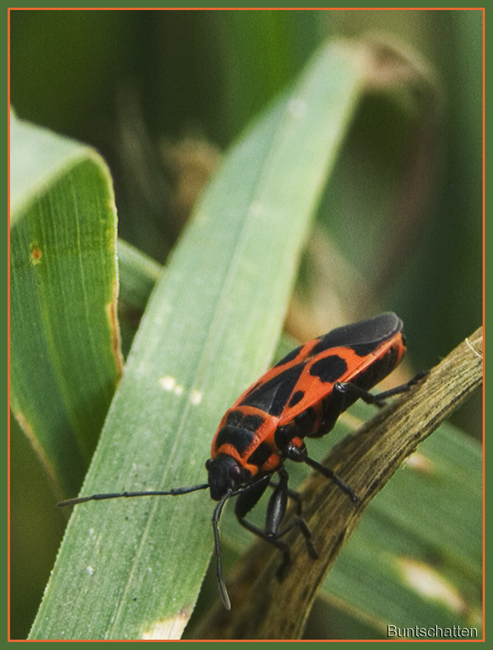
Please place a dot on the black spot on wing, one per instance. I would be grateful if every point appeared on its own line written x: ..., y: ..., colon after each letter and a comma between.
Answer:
x: 329, y: 369
x: 239, y: 430
x: 252, y: 422
x: 249, y: 422
x: 261, y: 454
x: 239, y: 438
x: 234, y: 418
x: 363, y: 337
x: 296, y: 397
x: 273, y: 396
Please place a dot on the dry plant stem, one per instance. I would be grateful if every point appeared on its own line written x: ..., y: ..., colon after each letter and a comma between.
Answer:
x: 266, y: 608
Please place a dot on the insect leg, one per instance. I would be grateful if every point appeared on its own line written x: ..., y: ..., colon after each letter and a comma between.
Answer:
x: 276, y: 509
x: 292, y: 494
x: 244, y: 503
x: 354, y: 392
x: 294, y: 453
x: 351, y: 392
x: 403, y: 388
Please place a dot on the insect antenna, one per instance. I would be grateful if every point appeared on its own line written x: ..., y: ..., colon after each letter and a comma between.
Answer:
x: 118, y: 495
x: 217, y: 547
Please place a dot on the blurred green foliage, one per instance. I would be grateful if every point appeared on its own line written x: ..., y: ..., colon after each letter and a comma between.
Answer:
x: 134, y: 83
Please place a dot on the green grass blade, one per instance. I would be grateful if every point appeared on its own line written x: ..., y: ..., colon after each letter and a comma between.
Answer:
x: 65, y: 360
x: 38, y: 158
x: 138, y: 275
x: 133, y: 569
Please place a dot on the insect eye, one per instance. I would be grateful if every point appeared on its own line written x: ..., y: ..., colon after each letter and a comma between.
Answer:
x: 235, y: 472
x: 208, y: 463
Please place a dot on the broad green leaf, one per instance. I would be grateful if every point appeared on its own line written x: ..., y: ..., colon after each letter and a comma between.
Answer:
x: 38, y: 157
x: 65, y: 359
x: 133, y: 569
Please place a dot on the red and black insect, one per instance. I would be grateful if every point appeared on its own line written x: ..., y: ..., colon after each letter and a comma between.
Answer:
x: 301, y: 397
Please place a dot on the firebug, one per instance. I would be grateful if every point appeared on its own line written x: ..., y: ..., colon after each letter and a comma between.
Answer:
x: 300, y: 397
